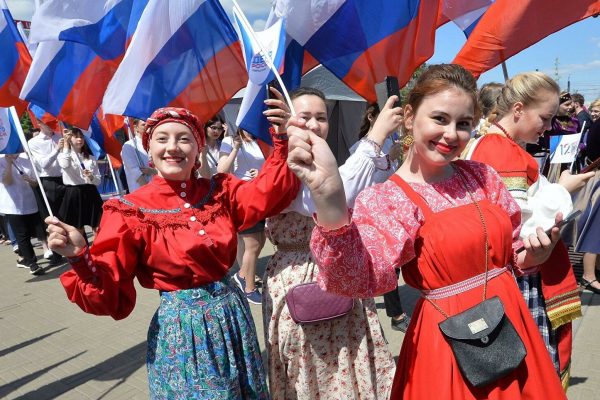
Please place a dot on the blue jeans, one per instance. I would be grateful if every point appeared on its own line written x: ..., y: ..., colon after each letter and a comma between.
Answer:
x: 11, y: 234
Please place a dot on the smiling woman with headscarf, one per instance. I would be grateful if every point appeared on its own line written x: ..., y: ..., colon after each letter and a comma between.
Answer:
x: 178, y: 235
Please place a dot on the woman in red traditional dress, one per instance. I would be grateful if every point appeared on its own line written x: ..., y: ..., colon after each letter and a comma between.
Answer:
x: 444, y: 223
x: 525, y: 110
x: 178, y: 235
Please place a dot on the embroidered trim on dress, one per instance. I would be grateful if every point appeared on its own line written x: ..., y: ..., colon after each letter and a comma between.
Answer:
x: 515, y: 183
x: 164, y: 218
x: 563, y: 308
x: 462, y: 286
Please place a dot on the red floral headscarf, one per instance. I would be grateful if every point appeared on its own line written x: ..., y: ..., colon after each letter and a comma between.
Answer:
x: 173, y: 114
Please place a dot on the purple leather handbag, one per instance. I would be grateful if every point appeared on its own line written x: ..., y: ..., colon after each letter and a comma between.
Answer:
x: 309, y: 304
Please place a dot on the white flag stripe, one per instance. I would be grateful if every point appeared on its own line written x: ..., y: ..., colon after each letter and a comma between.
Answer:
x: 3, y: 22
x: 55, y: 16
x: 160, y: 19
x: 44, y: 54
x: 307, y: 17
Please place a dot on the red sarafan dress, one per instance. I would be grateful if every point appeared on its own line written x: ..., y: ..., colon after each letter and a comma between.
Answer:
x: 437, y: 237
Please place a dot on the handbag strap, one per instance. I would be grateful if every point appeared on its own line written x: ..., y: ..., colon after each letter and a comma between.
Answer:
x: 485, y: 232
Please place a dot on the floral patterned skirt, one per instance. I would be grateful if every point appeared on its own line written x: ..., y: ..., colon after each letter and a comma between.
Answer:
x: 344, y: 358
x: 202, y: 344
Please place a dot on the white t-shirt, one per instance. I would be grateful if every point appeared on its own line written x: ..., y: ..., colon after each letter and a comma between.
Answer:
x: 134, y: 156
x: 17, y: 198
x: 44, y: 152
x: 248, y: 157
x: 212, y: 157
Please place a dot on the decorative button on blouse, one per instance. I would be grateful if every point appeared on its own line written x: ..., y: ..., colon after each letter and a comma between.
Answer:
x: 187, y: 205
x: 182, y: 194
x: 193, y: 219
x: 183, y: 185
x: 201, y: 232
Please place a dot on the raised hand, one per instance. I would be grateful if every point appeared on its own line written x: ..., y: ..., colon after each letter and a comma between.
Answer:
x: 64, y: 239
x: 388, y: 121
x: 311, y: 159
x: 237, y: 142
x: 278, y: 113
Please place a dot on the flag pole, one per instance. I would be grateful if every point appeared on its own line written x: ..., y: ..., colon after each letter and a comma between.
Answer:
x: 504, y: 71
x: 577, y: 152
x: 112, y: 172
x: 21, y: 134
x: 264, y: 54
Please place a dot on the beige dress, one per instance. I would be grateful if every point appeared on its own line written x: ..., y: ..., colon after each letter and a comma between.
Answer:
x: 346, y: 358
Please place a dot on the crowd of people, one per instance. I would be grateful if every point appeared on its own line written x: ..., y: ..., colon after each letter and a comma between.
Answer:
x: 454, y: 190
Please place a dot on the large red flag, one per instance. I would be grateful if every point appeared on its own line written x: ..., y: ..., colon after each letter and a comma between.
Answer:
x: 510, y: 26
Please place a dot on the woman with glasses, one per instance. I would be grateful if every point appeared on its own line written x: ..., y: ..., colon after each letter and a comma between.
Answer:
x: 214, y: 130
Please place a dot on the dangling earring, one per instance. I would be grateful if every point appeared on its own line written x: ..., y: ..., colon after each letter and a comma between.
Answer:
x: 407, y: 140
x: 150, y: 162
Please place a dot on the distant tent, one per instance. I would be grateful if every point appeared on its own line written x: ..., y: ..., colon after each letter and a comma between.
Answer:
x: 344, y: 106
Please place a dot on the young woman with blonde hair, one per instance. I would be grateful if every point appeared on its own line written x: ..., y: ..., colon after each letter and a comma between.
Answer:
x: 524, y: 111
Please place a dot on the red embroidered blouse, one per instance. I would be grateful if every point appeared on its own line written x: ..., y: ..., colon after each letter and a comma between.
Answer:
x: 359, y: 259
x: 174, y: 235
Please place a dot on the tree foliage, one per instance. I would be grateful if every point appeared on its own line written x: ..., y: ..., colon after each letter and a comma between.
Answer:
x: 411, y: 83
x: 26, y: 123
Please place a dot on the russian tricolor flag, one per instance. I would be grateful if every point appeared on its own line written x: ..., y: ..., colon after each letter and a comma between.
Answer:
x: 272, y: 40
x: 363, y: 41
x: 9, y: 138
x: 68, y: 78
x: 183, y: 53
x: 15, y: 61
